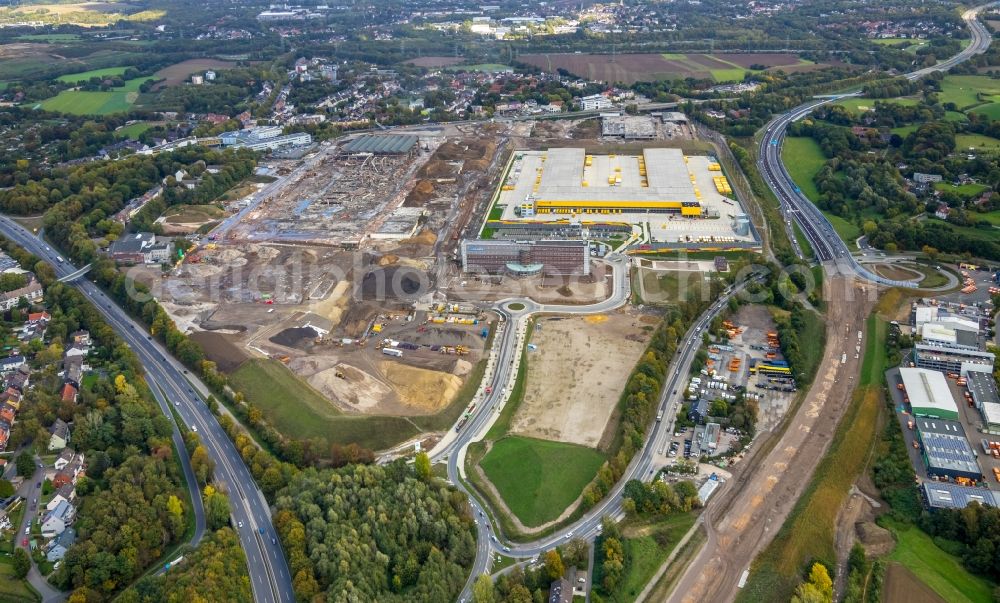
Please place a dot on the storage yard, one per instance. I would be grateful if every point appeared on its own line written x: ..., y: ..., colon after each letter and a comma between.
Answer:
x: 577, y: 369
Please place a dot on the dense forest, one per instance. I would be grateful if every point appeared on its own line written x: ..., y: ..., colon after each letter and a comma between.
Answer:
x: 215, y: 571
x: 375, y: 533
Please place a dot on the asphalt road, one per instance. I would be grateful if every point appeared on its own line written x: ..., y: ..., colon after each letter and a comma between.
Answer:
x: 827, y: 244
x: 171, y: 384
x: 490, y: 540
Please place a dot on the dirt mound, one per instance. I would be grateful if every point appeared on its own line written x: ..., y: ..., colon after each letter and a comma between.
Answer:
x: 421, y: 389
x: 475, y: 165
x: 437, y: 169
x: 421, y: 193
x: 424, y: 237
x: 352, y: 388
x: 877, y: 540
x: 387, y: 260
x: 462, y: 367
x: 295, y: 337
x: 395, y: 282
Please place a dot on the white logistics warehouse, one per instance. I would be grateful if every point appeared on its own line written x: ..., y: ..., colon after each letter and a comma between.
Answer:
x: 929, y: 394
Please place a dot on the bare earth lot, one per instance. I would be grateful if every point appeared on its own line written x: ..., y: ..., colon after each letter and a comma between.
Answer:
x: 577, y: 374
x: 751, y: 508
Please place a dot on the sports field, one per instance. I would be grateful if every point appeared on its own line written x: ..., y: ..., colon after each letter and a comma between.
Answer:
x: 83, y: 76
x: 293, y: 407
x: 539, y: 479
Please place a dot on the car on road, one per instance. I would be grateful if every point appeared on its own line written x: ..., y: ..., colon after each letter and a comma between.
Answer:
x: 274, y: 541
x: 27, y: 529
x: 239, y: 523
x: 194, y: 428
x: 38, y: 485
x: 261, y: 530
x: 24, y: 542
x: 506, y: 549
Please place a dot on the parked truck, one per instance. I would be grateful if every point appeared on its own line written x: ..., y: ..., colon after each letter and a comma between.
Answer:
x: 395, y: 353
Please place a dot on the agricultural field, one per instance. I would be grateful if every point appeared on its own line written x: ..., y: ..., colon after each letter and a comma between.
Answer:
x: 75, y: 78
x: 977, y: 142
x: 485, y: 67
x: 576, y: 376
x: 179, y: 72
x: 631, y: 68
x: 83, y: 14
x: 944, y: 573
x: 970, y: 92
x: 292, y: 407
x: 539, y: 479
x: 432, y: 62
x: 80, y: 102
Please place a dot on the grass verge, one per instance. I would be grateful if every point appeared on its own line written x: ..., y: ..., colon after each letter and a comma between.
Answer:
x: 291, y: 406
x: 646, y: 553
x: 937, y: 569
x: 539, y: 479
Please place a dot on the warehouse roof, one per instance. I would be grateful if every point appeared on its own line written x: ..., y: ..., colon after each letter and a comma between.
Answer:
x: 387, y: 144
x: 943, y: 495
x: 929, y: 394
x: 946, y: 448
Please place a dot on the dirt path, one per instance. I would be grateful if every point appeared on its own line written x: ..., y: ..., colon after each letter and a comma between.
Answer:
x: 755, y: 504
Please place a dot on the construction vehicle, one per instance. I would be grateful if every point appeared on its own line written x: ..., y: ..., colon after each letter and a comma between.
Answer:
x: 340, y: 375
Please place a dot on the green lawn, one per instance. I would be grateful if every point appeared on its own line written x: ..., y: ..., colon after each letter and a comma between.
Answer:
x: 648, y: 552
x: 968, y: 90
x: 803, y: 158
x: 13, y: 590
x: 132, y: 131
x: 860, y: 105
x: 83, y: 76
x: 990, y: 110
x: 297, y: 410
x: 936, y: 568
x: 992, y: 217
x: 734, y: 74
x: 539, y: 479
x: 957, y: 116
x: 978, y: 142
x: 962, y: 190
x: 905, y: 131
x: 848, y: 231
x: 51, y: 38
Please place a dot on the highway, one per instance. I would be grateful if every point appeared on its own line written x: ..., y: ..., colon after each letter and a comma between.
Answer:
x: 643, y: 466
x: 171, y: 384
x: 826, y: 243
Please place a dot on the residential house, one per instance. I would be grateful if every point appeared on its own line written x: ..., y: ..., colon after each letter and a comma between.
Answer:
x: 11, y: 363
x: 66, y: 492
x: 64, y: 459
x: 57, y: 520
x: 561, y: 591
x: 60, y: 435
x: 80, y: 338
x: 11, y: 396
x: 4, y: 521
x: 7, y: 413
x: 59, y: 545
x: 73, y: 370
x: 39, y: 317
x: 4, y: 435
x: 75, y: 350
x: 31, y: 292
x: 19, y: 380
x: 140, y: 248
x: 69, y: 393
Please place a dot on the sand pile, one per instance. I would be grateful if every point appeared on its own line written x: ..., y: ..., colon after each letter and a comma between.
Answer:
x: 421, y: 389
